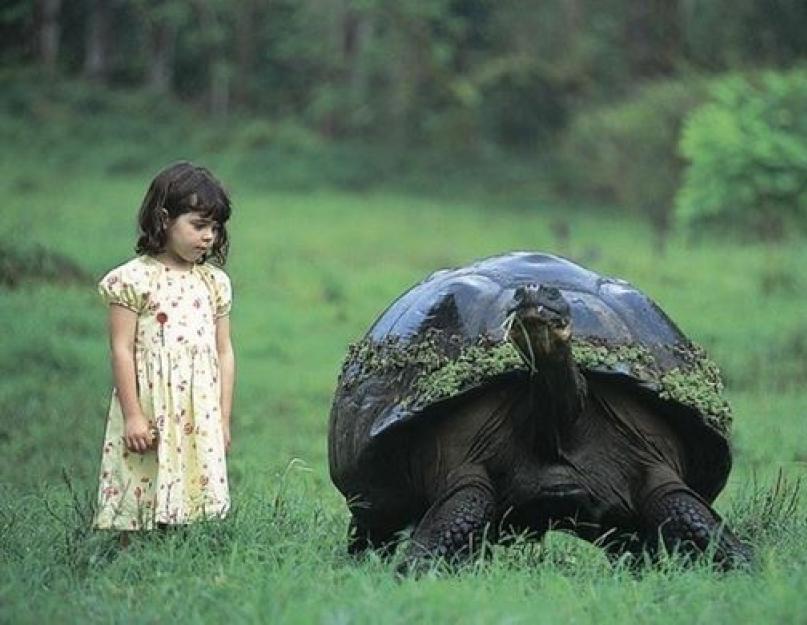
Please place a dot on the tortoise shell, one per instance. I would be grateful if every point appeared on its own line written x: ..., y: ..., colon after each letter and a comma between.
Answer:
x: 446, y: 338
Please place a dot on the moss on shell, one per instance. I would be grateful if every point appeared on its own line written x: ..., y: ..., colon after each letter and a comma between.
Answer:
x: 439, y: 366
x: 698, y: 384
x: 593, y: 354
x: 474, y: 365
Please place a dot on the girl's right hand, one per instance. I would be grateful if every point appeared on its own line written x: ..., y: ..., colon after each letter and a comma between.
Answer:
x: 138, y: 436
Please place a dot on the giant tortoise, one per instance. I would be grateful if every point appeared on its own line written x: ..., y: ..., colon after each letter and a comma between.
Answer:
x: 523, y: 393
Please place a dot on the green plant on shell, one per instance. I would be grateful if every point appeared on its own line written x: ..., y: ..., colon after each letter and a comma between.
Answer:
x: 700, y: 386
x: 437, y: 367
x: 474, y: 365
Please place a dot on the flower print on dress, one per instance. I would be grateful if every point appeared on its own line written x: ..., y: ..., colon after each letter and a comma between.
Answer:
x: 162, y: 318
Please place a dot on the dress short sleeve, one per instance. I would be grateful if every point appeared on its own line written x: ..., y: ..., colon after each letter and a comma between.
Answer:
x: 124, y: 288
x: 223, y: 293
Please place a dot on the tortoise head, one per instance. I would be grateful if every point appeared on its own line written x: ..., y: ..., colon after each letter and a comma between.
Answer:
x: 541, y: 320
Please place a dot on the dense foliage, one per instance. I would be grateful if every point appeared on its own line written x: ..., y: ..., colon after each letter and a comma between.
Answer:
x: 449, y: 72
x: 359, y: 91
x: 748, y: 153
x: 626, y: 153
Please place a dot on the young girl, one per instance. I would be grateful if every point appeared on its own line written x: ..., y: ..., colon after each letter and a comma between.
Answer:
x: 168, y: 427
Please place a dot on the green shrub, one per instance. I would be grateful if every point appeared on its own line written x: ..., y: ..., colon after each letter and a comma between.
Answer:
x: 626, y: 153
x: 747, y: 149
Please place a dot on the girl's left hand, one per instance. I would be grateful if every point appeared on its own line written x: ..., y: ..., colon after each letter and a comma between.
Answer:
x: 226, y: 431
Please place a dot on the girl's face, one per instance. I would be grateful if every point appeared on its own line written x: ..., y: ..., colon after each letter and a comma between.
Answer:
x: 190, y: 236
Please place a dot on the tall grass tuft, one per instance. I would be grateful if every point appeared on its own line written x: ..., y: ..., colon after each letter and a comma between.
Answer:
x: 766, y: 514
x: 77, y: 547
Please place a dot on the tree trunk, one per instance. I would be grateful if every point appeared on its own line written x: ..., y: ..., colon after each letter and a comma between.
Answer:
x: 97, y: 43
x: 411, y: 45
x: 653, y: 34
x: 573, y: 20
x: 218, y: 66
x: 331, y: 14
x: 653, y: 37
x: 357, y: 33
x: 162, y: 44
x: 49, y: 31
x: 246, y: 19
x: 219, y: 87
x: 358, y: 29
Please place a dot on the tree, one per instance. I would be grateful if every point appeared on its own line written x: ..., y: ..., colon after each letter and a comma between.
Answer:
x: 161, y: 20
x: 96, y: 50
x: 213, y: 32
x: 248, y: 15
x: 49, y: 32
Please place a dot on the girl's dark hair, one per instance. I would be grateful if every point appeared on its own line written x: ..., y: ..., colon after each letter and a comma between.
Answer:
x: 183, y: 188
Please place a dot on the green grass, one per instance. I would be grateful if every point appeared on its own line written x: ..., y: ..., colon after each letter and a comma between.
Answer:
x: 310, y: 271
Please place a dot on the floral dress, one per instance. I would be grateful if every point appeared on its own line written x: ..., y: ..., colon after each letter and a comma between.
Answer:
x: 184, y: 477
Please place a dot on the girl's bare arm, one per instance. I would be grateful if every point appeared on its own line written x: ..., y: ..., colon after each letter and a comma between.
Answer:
x: 224, y: 347
x: 122, y: 327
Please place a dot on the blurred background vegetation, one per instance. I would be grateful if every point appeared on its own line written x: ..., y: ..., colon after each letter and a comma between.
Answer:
x: 581, y: 99
x: 367, y: 143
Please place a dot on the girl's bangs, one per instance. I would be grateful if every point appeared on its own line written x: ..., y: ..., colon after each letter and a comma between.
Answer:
x: 217, y: 212
x: 209, y: 201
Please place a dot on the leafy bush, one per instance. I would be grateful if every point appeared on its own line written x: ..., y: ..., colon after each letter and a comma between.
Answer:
x: 627, y: 153
x: 747, y: 149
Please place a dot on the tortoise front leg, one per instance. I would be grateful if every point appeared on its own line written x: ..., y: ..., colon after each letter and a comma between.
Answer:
x: 684, y: 521
x: 375, y: 526
x: 455, y: 525
x: 363, y: 537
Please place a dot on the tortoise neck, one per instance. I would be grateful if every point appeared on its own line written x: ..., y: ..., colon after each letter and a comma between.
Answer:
x: 558, y: 391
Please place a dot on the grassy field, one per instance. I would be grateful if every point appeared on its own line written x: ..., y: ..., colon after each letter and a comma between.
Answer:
x: 311, y: 270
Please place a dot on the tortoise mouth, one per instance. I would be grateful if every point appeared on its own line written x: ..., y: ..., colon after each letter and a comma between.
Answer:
x: 537, y: 334
x: 542, y: 315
